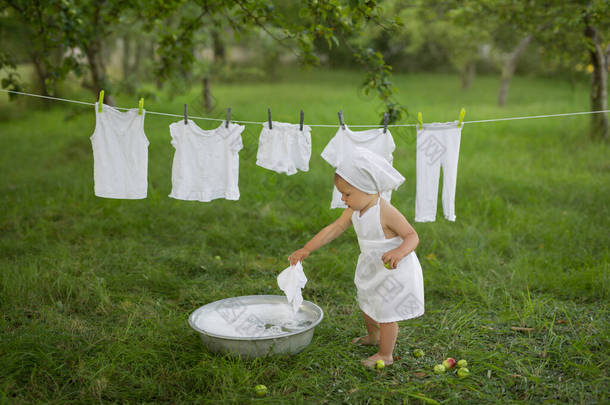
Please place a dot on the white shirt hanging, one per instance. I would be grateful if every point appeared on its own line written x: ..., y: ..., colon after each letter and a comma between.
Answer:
x: 284, y: 148
x: 120, y: 153
x: 343, y: 145
x: 206, y: 162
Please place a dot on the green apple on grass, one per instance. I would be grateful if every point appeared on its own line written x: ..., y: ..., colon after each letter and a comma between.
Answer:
x: 418, y: 353
x: 260, y: 390
x: 463, y: 372
x: 462, y: 363
x: 439, y: 369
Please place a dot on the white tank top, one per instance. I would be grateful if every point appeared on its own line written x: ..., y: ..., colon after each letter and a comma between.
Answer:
x: 120, y: 153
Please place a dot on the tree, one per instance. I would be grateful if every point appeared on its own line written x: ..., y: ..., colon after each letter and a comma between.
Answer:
x: 567, y: 31
x: 333, y: 21
x: 84, y: 25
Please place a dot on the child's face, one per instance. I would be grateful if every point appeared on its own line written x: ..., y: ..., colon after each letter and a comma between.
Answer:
x: 351, y: 196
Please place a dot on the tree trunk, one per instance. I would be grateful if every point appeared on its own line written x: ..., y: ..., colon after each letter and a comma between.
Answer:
x: 41, y: 74
x: 126, y: 56
x: 207, y: 94
x: 136, y: 68
x: 98, y: 73
x: 599, y: 79
x: 220, y: 52
x: 468, y: 72
x: 509, y: 69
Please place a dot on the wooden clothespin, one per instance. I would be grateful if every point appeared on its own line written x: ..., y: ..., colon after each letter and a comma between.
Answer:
x: 101, y: 101
x: 385, y: 122
x: 185, y: 115
x: 228, y: 117
x: 141, y: 106
x: 302, y: 119
x: 462, y: 114
x: 340, y: 113
x: 269, y: 118
x: 420, y: 120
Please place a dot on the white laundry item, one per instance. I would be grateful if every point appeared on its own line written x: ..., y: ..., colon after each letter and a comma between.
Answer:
x: 120, y: 153
x: 206, y: 162
x: 438, y: 144
x: 369, y: 172
x: 342, y: 146
x: 291, y: 280
x: 383, y: 294
x: 284, y: 148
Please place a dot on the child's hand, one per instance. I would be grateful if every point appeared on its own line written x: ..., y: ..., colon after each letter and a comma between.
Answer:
x: 391, y: 258
x: 298, y: 256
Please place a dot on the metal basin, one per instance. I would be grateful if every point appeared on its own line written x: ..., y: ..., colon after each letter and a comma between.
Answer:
x: 256, y: 325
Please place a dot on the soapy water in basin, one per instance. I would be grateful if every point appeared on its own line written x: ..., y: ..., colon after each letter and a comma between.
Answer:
x: 252, y: 320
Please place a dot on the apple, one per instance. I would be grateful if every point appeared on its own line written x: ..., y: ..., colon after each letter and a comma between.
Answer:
x: 439, y: 369
x: 380, y: 364
x: 449, y: 363
x: 463, y: 372
x: 462, y: 363
x: 387, y: 265
x: 418, y: 353
x: 260, y: 390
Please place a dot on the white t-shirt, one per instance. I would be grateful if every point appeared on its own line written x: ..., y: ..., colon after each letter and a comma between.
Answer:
x: 284, y: 148
x: 120, y: 153
x: 206, y: 162
x: 343, y: 144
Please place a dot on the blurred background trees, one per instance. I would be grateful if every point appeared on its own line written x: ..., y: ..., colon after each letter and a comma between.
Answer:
x: 120, y: 46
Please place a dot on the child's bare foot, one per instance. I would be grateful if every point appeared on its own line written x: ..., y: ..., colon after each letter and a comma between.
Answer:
x: 366, y: 341
x: 371, y: 361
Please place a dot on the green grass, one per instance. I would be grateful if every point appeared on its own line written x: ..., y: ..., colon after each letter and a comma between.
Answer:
x: 95, y: 293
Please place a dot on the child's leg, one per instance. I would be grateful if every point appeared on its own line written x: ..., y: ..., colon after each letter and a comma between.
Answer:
x: 388, y: 333
x: 373, y: 329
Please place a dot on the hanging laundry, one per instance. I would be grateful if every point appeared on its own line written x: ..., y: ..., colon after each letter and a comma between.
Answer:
x: 206, y: 162
x: 120, y: 153
x: 284, y: 148
x: 438, y: 144
x: 345, y: 142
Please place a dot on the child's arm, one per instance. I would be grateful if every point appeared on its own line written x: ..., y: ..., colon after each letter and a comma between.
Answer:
x: 392, y: 219
x: 326, y: 235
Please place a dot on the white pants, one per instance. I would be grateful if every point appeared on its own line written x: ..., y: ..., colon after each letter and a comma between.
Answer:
x: 438, y: 145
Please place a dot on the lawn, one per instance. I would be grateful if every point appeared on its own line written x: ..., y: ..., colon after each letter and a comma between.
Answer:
x: 95, y: 293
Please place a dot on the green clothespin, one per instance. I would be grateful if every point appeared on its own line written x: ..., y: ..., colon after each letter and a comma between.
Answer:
x: 99, y: 104
x: 420, y: 120
x: 462, y: 114
x: 141, y: 106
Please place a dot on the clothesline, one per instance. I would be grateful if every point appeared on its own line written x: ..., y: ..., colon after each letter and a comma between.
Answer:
x: 311, y: 125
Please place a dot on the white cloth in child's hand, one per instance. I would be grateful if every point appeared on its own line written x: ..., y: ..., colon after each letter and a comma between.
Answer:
x: 291, y: 280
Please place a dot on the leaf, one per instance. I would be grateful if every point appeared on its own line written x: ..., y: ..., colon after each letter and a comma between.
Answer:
x: 521, y: 329
x: 419, y: 374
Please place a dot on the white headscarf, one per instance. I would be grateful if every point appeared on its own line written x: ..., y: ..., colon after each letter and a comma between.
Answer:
x: 369, y: 172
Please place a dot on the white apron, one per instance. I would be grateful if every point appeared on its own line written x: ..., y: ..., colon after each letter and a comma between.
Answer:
x: 385, y: 295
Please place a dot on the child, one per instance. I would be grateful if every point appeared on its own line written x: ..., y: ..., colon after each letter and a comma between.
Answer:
x: 388, y: 276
